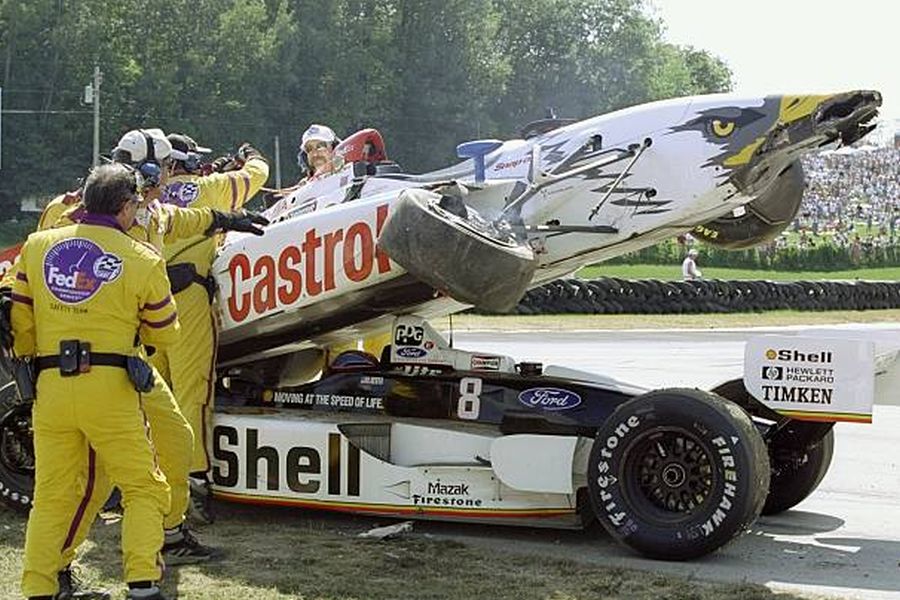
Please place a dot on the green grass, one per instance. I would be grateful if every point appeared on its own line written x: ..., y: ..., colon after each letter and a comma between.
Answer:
x: 673, y: 272
x: 277, y: 554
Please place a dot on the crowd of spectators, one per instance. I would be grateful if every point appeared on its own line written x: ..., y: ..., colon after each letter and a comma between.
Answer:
x: 852, y: 200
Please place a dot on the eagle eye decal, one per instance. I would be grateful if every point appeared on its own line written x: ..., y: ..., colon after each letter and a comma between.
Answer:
x: 734, y: 131
x: 721, y: 128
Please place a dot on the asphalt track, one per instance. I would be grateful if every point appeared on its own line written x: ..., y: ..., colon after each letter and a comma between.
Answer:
x: 843, y: 541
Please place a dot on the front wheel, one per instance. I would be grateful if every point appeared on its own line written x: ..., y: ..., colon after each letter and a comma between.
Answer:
x: 446, y: 244
x: 675, y: 474
x: 16, y: 450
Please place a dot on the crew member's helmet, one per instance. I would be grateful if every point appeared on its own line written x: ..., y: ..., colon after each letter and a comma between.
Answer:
x: 145, y: 150
x: 186, y: 151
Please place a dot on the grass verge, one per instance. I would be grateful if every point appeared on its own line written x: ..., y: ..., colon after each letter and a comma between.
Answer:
x: 673, y: 272
x: 276, y: 554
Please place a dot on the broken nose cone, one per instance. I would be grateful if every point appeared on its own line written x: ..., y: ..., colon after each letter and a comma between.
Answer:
x: 849, y: 115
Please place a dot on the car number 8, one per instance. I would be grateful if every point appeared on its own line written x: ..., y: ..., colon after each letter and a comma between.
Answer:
x: 469, y: 402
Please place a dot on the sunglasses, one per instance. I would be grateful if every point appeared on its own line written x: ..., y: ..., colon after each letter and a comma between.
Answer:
x: 315, y: 145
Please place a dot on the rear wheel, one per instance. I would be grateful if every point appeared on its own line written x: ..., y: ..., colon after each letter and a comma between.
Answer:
x: 16, y: 450
x: 795, y: 474
x: 800, y: 452
x: 675, y: 474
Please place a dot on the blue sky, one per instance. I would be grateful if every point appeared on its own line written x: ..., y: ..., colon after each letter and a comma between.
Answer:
x: 795, y: 46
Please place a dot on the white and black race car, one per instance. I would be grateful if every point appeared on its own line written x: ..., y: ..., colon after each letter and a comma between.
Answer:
x: 429, y: 431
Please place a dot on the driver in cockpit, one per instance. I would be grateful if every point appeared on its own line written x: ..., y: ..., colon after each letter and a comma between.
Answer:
x: 316, y: 156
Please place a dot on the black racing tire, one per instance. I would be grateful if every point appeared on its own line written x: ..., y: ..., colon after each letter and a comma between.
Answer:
x: 800, y: 452
x: 793, y: 478
x: 675, y: 474
x: 765, y: 218
x: 16, y: 450
x: 456, y: 252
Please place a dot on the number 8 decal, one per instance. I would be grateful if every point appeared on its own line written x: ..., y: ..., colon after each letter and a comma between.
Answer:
x: 469, y: 402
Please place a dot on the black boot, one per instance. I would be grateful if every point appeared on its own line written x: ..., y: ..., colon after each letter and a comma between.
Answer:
x: 200, y: 510
x: 143, y: 592
x: 182, y: 548
x: 72, y: 588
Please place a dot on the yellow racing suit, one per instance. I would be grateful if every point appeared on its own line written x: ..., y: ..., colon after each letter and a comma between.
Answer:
x: 170, y: 431
x: 92, y: 283
x: 56, y: 207
x: 189, y: 364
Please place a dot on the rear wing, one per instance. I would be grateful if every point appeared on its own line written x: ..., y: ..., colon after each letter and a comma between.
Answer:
x: 823, y: 375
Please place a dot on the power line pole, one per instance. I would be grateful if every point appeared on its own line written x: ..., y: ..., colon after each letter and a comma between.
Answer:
x: 95, y: 96
x: 277, y: 163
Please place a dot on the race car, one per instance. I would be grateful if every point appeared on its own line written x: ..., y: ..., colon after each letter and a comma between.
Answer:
x: 429, y: 431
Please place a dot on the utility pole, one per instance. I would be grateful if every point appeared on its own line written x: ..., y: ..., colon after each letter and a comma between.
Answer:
x: 92, y: 96
x: 277, y: 163
x: 98, y: 77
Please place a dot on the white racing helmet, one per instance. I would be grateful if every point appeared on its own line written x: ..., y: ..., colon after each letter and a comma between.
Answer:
x: 314, y: 132
x: 139, y: 145
x: 144, y: 149
x: 318, y: 132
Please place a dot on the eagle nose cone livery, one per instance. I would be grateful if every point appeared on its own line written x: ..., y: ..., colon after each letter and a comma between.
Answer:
x: 348, y: 251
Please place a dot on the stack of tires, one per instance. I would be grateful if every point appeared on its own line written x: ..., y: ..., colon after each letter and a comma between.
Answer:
x: 611, y: 295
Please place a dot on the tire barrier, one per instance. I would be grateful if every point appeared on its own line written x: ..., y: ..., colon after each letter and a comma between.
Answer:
x: 610, y: 295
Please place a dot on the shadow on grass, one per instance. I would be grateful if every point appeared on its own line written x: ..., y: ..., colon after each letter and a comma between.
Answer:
x: 276, y: 553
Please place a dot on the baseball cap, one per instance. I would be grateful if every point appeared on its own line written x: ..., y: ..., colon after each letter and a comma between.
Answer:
x: 318, y: 132
x: 183, y: 144
x: 693, y: 252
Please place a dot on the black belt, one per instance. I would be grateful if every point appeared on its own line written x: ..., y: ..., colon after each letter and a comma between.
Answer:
x: 101, y: 359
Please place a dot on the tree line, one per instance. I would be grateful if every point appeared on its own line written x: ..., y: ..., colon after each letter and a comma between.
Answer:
x: 427, y: 73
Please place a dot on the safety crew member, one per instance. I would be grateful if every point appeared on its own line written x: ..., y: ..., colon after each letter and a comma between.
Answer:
x: 155, y: 224
x: 158, y: 224
x: 81, y: 296
x: 189, y: 364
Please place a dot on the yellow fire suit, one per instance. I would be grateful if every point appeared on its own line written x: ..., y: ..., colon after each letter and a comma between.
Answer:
x: 171, y: 433
x: 189, y: 364
x: 91, y: 282
x: 56, y: 207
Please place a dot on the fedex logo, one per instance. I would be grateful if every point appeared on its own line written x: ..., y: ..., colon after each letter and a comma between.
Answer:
x: 72, y: 282
x: 314, y: 265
